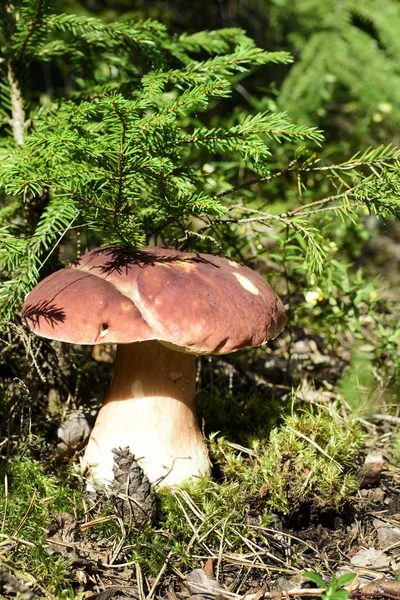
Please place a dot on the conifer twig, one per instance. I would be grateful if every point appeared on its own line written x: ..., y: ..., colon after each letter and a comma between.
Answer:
x: 259, y: 215
x: 327, y: 208
x: 351, y: 165
x: 294, y: 167
x: 17, y: 120
x: 160, y: 574
x: 326, y: 200
x: 121, y: 167
x: 31, y: 31
x: 251, y: 182
x: 389, y: 418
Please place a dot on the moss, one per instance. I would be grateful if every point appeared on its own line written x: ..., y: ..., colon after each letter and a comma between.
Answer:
x: 308, y: 459
x: 33, y: 497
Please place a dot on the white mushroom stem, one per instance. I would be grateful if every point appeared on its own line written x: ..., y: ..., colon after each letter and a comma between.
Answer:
x: 150, y: 408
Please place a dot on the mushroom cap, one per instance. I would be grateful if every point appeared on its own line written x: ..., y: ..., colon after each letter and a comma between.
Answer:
x: 194, y: 302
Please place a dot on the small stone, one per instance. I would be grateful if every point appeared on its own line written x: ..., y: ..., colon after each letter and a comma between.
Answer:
x: 372, y: 469
x: 370, y: 557
x: 73, y: 434
x: 375, y: 494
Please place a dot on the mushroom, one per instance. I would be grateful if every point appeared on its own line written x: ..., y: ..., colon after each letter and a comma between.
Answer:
x: 162, y: 307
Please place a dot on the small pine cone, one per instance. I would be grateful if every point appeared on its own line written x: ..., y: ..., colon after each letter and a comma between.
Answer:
x: 131, y: 491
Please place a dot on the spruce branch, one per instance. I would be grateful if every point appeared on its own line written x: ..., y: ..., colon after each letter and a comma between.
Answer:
x: 214, y: 42
x: 241, y: 60
x: 188, y: 235
x: 250, y: 133
x: 315, y: 203
x: 341, y: 53
x: 371, y: 158
x: 390, y: 155
x: 148, y: 36
x: 335, y: 208
x: 348, y: 166
x: 33, y: 27
x: 17, y: 120
x: 121, y: 166
x: 379, y: 192
x: 250, y: 182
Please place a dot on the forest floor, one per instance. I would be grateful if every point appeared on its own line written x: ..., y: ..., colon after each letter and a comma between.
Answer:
x: 100, y: 556
x: 363, y: 538
x: 329, y: 504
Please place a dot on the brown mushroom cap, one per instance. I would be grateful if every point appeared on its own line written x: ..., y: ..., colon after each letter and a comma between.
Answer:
x: 196, y: 302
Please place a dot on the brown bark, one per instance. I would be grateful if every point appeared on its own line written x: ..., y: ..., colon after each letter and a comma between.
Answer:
x: 17, y: 121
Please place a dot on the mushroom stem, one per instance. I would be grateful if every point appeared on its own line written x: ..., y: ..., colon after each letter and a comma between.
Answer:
x: 150, y: 408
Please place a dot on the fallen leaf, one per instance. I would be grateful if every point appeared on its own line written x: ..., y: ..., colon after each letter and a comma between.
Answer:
x: 387, y: 534
x: 63, y: 533
x: 202, y: 586
x: 370, y: 557
x: 73, y: 434
x: 388, y: 586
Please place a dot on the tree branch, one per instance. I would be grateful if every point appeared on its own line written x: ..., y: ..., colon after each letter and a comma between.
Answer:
x: 291, y: 213
x: 17, y: 120
x: 121, y: 168
x: 32, y: 29
x: 250, y: 182
x: 292, y: 167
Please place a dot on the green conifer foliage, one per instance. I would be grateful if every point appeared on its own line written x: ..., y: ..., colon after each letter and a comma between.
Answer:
x: 120, y: 144
x: 346, y: 52
x: 115, y: 150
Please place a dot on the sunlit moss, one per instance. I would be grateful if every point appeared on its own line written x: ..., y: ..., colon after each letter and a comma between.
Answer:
x: 308, y: 459
x: 33, y: 497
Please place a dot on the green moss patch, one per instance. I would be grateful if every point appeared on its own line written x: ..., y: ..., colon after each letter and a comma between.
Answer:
x: 308, y: 459
x: 32, y: 498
